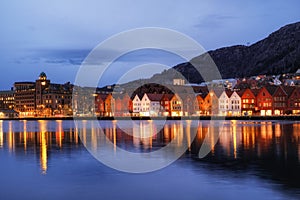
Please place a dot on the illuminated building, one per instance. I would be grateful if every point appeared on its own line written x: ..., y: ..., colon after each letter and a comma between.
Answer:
x: 42, y: 98
x: 25, y: 98
x: 7, y: 99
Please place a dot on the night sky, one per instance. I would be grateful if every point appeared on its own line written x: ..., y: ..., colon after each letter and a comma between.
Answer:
x: 55, y: 36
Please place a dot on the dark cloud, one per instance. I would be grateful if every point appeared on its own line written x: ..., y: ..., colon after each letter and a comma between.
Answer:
x: 214, y: 21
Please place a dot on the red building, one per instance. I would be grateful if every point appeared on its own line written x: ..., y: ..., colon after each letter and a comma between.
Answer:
x: 189, y: 101
x: 248, y: 104
x: 279, y: 101
x: 293, y: 102
x: 123, y: 105
x: 264, y: 100
x: 166, y: 104
x: 100, y: 104
x: 199, y: 104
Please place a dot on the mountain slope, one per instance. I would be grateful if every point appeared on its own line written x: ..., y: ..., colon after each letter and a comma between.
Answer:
x: 276, y: 54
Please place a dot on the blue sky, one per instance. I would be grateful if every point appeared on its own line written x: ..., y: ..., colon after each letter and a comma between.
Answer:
x: 55, y: 36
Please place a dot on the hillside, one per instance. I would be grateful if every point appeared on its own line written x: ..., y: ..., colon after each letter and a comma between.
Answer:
x: 278, y: 53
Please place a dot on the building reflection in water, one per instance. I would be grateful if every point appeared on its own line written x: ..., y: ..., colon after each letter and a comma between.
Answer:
x: 238, y: 138
x: 43, y: 146
x: 1, y: 134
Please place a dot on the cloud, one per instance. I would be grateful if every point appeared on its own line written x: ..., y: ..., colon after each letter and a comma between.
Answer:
x: 214, y: 21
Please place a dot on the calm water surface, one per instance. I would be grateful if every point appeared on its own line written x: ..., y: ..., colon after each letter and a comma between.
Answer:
x: 251, y: 160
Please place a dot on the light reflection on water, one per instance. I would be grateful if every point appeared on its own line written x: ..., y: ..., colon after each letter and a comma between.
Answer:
x: 268, y: 150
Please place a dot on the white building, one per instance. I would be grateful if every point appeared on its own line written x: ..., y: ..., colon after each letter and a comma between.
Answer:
x: 136, y: 105
x: 223, y: 103
x: 155, y: 104
x: 178, y: 81
x: 145, y: 106
x: 148, y: 105
x: 235, y: 104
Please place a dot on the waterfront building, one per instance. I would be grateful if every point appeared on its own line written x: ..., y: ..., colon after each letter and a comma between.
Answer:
x: 104, y: 105
x: 136, y: 105
x: 199, y: 104
x: 42, y: 98
x: 166, y: 104
x: 25, y: 98
x: 155, y: 104
x: 176, y: 105
x: 7, y: 99
x: 123, y: 104
x: 235, y: 103
x: 7, y: 113
x: 223, y: 103
x: 109, y: 107
x: 145, y: 106
x: 248, y: 102
x: 280, y: 99
x: 264, y: 100
x: 293, y: 102
x: 189, y: 104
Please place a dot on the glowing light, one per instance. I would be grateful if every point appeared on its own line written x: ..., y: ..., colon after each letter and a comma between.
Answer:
x: 11, y: 141
x: 234, y: 141
x: 44, y: 156
x: 59, y: 133
x: 25, y: 134
x: 1, y: 133
x: 188, y: 133
x: 115, y: 136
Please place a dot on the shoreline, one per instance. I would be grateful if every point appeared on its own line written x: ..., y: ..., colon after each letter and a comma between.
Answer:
x: 242, y: 118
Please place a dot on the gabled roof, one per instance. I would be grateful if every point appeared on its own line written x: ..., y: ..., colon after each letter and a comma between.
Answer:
x: 271, y: 89
x: 280, y: 88
x: 203, y: 95
x: 119, y: 95
x: 201, y: 89
x: 218, y: 93
x: 138, y: 94
x: 155, y: 97
x: 229, y: 93
x: 255, y: 91
x: 168, y: 96
x: 289, y: 90
x: 240, y: 92
x: 102, y: 96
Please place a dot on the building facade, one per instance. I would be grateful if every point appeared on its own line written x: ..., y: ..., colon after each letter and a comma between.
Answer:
x: 42, y: 98
x: 7, y: 100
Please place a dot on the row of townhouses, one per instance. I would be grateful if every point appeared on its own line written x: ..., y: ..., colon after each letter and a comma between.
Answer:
x: 43, y: 98
x: 268, y: 100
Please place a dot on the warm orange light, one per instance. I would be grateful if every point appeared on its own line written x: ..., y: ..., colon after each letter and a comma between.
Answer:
x: 1, y: 133
x: 44, y: 156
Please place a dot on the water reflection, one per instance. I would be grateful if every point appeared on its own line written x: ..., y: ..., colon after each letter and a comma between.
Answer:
x: 38, y: 138
x: 271, y: 146
x: 1, y: 133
